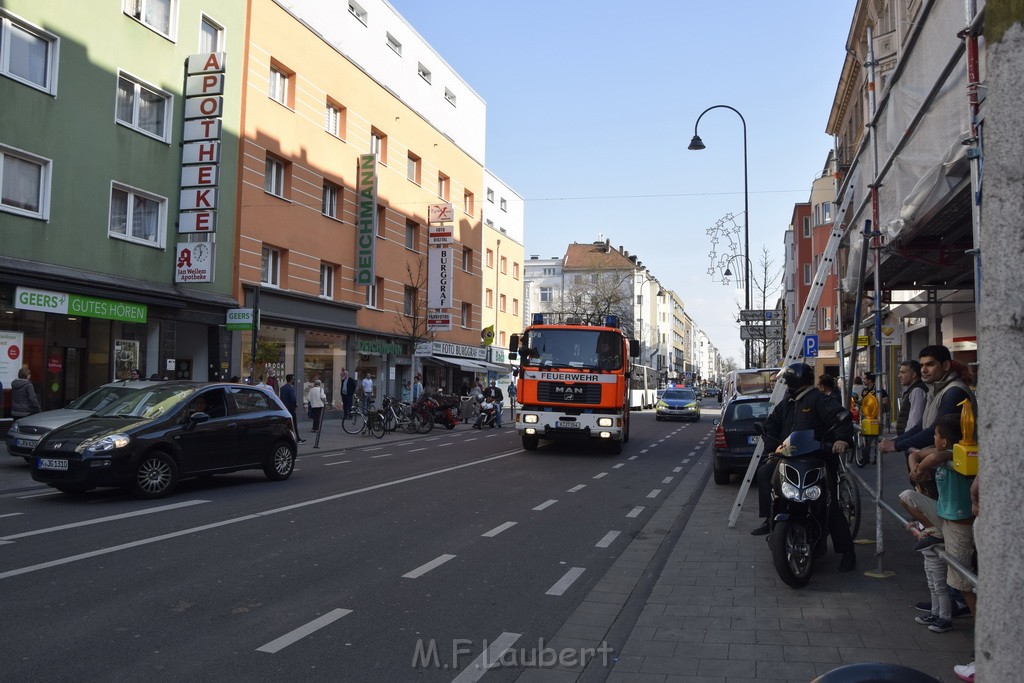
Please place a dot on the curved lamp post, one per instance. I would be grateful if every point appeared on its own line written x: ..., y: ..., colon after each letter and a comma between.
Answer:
x: 697, y: 144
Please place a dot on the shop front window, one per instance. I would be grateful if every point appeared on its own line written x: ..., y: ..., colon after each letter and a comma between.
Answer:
x: 325, y: 357
x: 275, y: 355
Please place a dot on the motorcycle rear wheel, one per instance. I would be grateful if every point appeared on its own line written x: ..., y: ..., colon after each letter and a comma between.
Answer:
x: 792, y: 553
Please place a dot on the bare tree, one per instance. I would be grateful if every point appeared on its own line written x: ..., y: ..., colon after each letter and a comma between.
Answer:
x: 594, y: 295
x: 411, y: 321
x: 765, y: 285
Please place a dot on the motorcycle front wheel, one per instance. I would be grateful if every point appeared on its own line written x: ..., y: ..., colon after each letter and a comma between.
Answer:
x: 792, y: 553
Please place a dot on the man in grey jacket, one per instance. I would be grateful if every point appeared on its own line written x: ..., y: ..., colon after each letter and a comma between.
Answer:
x: 23, y: 395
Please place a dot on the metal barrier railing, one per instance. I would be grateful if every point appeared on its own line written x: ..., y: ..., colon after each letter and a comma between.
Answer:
x: 880, y: 504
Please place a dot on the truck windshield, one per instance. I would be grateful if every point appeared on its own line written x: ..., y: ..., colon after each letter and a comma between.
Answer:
x: 577, y: 348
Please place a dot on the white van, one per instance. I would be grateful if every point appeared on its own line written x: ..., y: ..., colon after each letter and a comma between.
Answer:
x: 749, y: 382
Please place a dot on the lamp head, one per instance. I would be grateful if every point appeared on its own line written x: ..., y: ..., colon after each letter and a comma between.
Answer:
x: 696, y: 143
x: 728, y: 272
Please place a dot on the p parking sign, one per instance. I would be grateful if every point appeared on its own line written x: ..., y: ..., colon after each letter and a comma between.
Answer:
x: 811, y: 346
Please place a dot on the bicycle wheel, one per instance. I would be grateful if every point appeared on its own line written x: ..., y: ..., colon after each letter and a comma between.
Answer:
x: 354, y: 423
x: 377, y: 425
x: 849, y: 502
x: 426, y: 421
x: 863, y: 455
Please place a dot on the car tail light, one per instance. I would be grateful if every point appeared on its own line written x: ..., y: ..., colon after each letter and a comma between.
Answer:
x: 720, y: 442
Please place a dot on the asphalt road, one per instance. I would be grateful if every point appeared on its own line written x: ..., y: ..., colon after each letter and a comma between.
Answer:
x: 400, y: 559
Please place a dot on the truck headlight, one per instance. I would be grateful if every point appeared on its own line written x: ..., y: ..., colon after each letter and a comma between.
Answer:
x: 604, y: 422
x: 530, y: 419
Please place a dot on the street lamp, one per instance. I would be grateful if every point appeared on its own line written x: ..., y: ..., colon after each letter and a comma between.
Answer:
x: 697, y: 144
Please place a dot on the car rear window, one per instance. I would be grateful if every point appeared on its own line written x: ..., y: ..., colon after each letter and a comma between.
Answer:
x: 747, y: 410
x: 680, y: 395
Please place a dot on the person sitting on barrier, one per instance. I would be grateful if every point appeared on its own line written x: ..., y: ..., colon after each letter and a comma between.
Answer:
x: 807, y: 408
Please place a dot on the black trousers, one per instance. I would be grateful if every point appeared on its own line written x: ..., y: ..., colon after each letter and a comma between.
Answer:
x: 838, y: 529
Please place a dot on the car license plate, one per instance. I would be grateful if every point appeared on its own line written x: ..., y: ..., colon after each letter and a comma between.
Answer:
x: 751, y: 440
x: 25, y: 443
x: 567, y: 425
x: 52, y: 464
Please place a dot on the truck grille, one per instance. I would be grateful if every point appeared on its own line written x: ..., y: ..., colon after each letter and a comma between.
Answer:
x: 560, y: 392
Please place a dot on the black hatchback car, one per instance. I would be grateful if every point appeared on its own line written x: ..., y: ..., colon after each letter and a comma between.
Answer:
x: 735, y: 438
x: 149, y: 440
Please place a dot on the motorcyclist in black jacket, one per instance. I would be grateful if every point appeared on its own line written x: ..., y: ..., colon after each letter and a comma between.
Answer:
x: 807, y: 408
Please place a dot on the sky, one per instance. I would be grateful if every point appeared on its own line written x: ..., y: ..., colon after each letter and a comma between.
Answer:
x: 591, y: 105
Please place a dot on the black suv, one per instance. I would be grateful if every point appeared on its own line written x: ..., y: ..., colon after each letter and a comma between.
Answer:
x: 735, y: 438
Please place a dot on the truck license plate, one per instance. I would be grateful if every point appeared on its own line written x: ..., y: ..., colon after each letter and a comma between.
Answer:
x: 567, y: 425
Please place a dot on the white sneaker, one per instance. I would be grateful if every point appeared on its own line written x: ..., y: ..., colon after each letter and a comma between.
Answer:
x: 965, y: 672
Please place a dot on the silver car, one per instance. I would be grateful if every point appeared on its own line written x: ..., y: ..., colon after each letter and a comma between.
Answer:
x: 26, y: 432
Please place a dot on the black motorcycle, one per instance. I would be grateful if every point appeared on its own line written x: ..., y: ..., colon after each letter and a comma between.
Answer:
x: 801, y: 501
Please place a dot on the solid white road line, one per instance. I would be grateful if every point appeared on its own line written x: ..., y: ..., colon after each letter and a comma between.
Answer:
x: 601, y: 475
x: 303, y: 631
x: 339, y: 462
x: 563, y: 583
x: 40, y: 495
x: 488, y: 658
x: 654, y: 493
x: 12, y: 514
x: 546, y: 504
x: 607, y: 539
x: 433, y: 564
x: 578, y: 487
x: 111, y: 518
x: 498, y: 529
x: 667, y: 480
x: 615, y: 467
x: 635, y: 512
x: 246, y: 518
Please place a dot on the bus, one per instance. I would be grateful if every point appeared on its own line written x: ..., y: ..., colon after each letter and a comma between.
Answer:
x: 643, y: 387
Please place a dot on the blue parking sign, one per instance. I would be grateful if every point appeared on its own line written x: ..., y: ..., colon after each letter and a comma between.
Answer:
x: 811, y: 346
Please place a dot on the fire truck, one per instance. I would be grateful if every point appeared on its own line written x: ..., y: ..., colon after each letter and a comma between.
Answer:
x: 573, y: 382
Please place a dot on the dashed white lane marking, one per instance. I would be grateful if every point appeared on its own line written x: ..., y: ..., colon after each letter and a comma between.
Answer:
x: 338, y: 462
x: 473, y: 439
x: 546, y: 504
x: 303, y: 631
x: 12, y: 514
x: 600, y: 475
x: 433, y: 438
x: 40, y: 495
x: 643, y: 451
x: 654, y: 493
x: 418, y: 449
x: 374, y: 448
x: 635, y: 512
x: 433, y: 564
x: 632, y: 457
x: 498, y: 529
x: 615, y: 467
x: 686, y: 461
x: 404, y: 443
x: 607, y: 539
x: 677, y: 470
x: 488, y: 658
x: 576, y: 488
x: 563, y: 583
x: 111, y: 518
x: 667, y: 480
x: 382, y: 455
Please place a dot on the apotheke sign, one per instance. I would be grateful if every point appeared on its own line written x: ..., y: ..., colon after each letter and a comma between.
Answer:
x: 27, y: 299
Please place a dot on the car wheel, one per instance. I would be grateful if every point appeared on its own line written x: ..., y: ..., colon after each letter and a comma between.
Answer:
x: 155, y: 476
x: 281, y: 463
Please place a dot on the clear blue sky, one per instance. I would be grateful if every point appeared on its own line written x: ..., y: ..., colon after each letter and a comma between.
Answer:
x: 592, y: 103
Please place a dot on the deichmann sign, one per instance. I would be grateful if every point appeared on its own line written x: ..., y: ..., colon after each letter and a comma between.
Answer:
x: 366, y: 227
x: 378, y: 347
x: 239, y: 319
x: 73, y: 304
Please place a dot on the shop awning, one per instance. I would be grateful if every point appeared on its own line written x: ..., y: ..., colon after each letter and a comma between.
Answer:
x: 468, y: 364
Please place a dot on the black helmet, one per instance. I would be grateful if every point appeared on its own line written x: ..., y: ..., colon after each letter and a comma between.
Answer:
x: 798, y: 377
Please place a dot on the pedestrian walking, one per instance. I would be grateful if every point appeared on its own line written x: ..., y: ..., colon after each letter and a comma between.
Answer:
x: 512, y: 393
x: 417, y: 388
x: 24, y: 401
x: 291, y: 402
x: 317, y: 399
x: 348, y: 392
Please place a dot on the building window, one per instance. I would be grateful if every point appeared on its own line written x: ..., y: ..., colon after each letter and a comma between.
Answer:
x: 412, y: 168
x: 826, y: 212
x: 326, y: 280
x: 489, y: 259
x: 489, y: 223
x: 549, y: 271
x: 273, y: 177
x: 28, y: 54
x: 501, y: 340
x: 467, y: 202
x: 372, y: 293
x: 467, y: 259
x: 490, y: 195
x: 807, y: 226
x: 156, y: 14
x: 515, y: 270
x: 334, y: 119
x: 382, y: 217
x: 270, y: 267
x: 394, y: 44
x: 379, y: 145
x: 24, y: 184
x: 356, y: 10
x: 503, y: 204
x: 278, y: 85
x: 501, y: 303
x: 807, y: 273
x: 442, y: 186
x: 515, y: 306
x: 503, y: 265
x: 137, y: 216
x: 489, y: 298
x: 409, y: 301
x: 423, y: 72
x: 546, y: 295
x: 449, y: 97
x: 142, y: 107
x: 467, y: 314
x: 329, y: 202
x: 411, y: 233
x: 211, y: 35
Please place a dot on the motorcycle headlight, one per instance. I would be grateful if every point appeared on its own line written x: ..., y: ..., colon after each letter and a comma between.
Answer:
x: 790, y: 491
x: 107, y: 443
x: 812, y: 493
